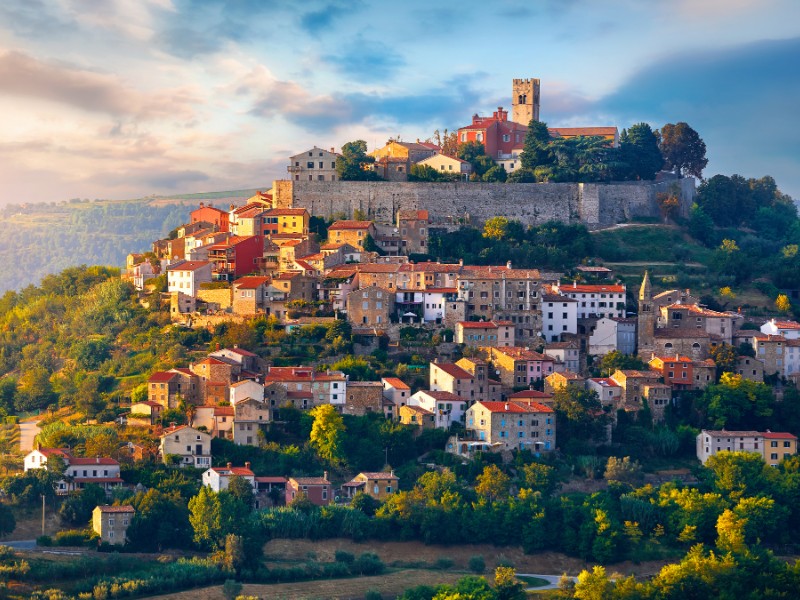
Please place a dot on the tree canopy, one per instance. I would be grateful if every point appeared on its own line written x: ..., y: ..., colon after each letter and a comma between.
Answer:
x: 353, y: 163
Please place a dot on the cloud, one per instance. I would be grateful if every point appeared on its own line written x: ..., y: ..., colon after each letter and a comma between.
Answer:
x: 160, y: 179
x: 316, y: 22
x: 367, y: 61
x: 25, y: 76
x: 742, y: 101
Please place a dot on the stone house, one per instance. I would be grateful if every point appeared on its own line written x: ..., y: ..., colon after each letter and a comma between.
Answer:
x: 249, y: 295
x: 214, y: 379
x: 705, y: 373
x: 370, y: 307
x: 363, y: 397
x: 658, y: 396
x: 249, y: 416
x: 484, y: 386
x: 446, y: 407
x: 567, y: 355
x: 111, y: 523
x: 485, y: 333
x: 512, y: 425
x: 676, y: 370
x: 144, y: 414
x: 413, y: 227
x: 632, y: 383
x: 416, y: 416
x: 351, y: 232
x: 520, y: 367
x: 447, y: 165
x: 169, y: 388
x: 315, y: 164
x: 771, y: 351
x: 329, y: 387
x: 316, y: 489
x: 193, y: 447
x: 378, y: 485
x: 749, y: 368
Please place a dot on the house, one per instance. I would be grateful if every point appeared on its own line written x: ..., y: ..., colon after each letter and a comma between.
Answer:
x: 677, y: 371
x: 502, y: 293
x: 218, y: 478
x: 396, y: 390
x: 378, y: 485
x: 446, y: 407
x: 705, y: 373
x: 559, y: 316
x: 749, y: 368
x: 610, y: 134
x: 315, y: 164
x: 771, y: 351
x: 608, y: 391
x: 412, y: 152
x: 79, y: 471
x: 236, y: 256
x: 512, y: 425
x: 363, y: 397
x: 209, y: 214
x: 286, y: 221
x: 519, y: 367
x: 370, y: 307
x: 214, y: 377
x: 170, y: 388
x: 222, y: 421
x: 483, y: 386
x: 413, y: 229
x: 772, y: 446
x: 485, y: 333
x: 499, y: 136
x: 351, y: 232
x: 186, y: 276
x: 246, y: 388
x: 270, y: 491
x: 417, y: 416
x: 250, y: 295
x: 247, y: 220
x: 632, y: 383
x: 447, y: 165
x: 145, y: 414
x: 613, y: 333
x: 329, y: 387
x: 658, y: 396
x: 528, y: 396
x: 558, y: 381
x: 450, y: 377
x: 249, y: 415
x: 692, y: 317
x: 567, y: 355
x: 788, y: 329
x: 191, y: 446
x: 316, y: 489
x: 595, y: 300
x: 111, y: 523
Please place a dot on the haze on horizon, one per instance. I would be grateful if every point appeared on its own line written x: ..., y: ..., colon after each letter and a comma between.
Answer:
x: 123, y: 98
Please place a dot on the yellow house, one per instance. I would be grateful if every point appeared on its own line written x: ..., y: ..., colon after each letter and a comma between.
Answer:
x: 287, y: 220
x: 377, y: 485
x: 447, y: 164
x: 111, y: 522
x: 351, y: 232
x: 412, y: 152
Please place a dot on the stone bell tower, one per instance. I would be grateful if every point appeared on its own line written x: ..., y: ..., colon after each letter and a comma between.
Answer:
x: 646, y: 326
x: 524, y: 100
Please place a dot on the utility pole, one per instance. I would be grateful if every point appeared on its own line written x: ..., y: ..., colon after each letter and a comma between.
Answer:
x: 42, y: 514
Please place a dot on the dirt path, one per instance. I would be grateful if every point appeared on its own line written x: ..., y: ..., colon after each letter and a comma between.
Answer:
x: 28, y: 430
x: 390, y: 586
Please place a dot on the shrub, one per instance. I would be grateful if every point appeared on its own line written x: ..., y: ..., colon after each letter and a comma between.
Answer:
x: 73, y: 537
x: 444, y: 563
x: 44, y: 540
x: 477, y: 564
x: 373, y: 595
x: 368, y: 564
x: 343, y: 556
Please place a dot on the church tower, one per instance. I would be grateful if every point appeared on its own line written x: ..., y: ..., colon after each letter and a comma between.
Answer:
x: 646, y: 329
x: 524, y: 100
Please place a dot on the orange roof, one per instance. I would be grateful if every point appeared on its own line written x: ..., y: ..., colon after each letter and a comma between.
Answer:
x: 247, y: 283
x: 776, y: 435
x: 396, y: 383
x: 241, y: 471
x: 514, y: 407
x: 530, y: 394
x: 162, y: 377
x: 188, y: 265
x: 231, y: 241
x: 453, y: 370
x: 520, y: 353
x: 592, y: 289
x: 350, y: 225
x: 576, y: 131
x: 286, y: 212
x: 125, y: 508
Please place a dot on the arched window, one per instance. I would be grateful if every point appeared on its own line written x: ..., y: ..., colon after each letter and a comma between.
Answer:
x: 668, y: 346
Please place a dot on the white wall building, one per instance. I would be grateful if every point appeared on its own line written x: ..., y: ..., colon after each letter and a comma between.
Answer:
x: 788, y: 329
x: 446, y: 407
x: 187, y: 276
x: 247, y: 388
x: 313, y: 165
x: 595, y: 300
x: 559, y: 315
x: 218, y: 478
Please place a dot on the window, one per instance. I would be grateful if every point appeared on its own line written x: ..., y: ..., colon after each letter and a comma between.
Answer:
x: 310, y: 165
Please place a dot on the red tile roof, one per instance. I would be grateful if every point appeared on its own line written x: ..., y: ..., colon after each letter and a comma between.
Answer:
x: 520, y: 353
x: 240, y: 471
x: 453, y: 370
x: 777, y: 435
x: 125, y: 508
x: 530, y: 394
x: 287, y: 212
x: 310, y: 480
x: 349, y: 225
x: 396, y: 383
x: 443, y: 396
x: 223, y: 411
x: 581, y: 131
x: 250, y: 283
x: 93, y: 461
x: 514, y: 407
x: 591, y: 289
x: 189, y: 265
x: 271, y: 479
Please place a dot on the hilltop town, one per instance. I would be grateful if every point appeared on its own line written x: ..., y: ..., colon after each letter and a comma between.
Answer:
x: 315, y: 365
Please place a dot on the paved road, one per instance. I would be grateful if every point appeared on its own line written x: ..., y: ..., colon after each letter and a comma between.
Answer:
x: 552, y: 580
x: 28, y: 430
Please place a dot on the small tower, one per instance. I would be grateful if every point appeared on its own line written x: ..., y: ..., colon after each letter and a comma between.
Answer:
x: 524, y: 100
x: 646, y: 327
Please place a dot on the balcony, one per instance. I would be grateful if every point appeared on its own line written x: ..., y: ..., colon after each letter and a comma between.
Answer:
x: 293, y: 169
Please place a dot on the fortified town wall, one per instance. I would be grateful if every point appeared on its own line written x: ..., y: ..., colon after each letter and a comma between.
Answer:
x: 597, y: 205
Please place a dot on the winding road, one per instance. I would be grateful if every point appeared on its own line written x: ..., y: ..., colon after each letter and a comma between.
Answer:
x: 28, y: 430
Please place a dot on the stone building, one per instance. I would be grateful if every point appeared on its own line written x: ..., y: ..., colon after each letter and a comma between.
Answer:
x: 214, y: 379
x: 249, y: 295
x: 378, y: 485
x: 315, y: 164
x: 513, y: 425
x: 317, y: 489
x: 249, y: 415
x: 520, y: 367
x: 193, y: 447
x: 111, y: 523
x: 413, y: 227
x: 363, y: 397
x: 525, y: 97
x: 417, y: 416
x: 632, y: 383
x: 351, y: 232
x: 371, y: 307
x: 485, y: 333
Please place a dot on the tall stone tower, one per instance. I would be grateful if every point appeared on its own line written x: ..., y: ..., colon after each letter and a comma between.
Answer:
x: 524, y: 100
x: 646, y: 327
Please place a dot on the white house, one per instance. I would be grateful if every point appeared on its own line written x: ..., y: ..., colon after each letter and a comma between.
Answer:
x: 596, y: 300
x: 446, y: 406
x: 249, y: 416
x: 218, y: 478
x: 613, y: 333
x: 788, y: 329
x: 247, y: 388
x: 315, y: 164
x: 186, y: 276
x: 559, y: 315
x: 568, y: 355
x: 191, y: 445
x: 449, y: 165
x: 79, y: 472
x: 608, y: 390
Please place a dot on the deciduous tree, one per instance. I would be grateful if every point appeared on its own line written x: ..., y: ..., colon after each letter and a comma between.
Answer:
x: 327, y: 433
x: 683, y: 150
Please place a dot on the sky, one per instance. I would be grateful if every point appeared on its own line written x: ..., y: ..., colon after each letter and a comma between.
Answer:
x: 127, y: 98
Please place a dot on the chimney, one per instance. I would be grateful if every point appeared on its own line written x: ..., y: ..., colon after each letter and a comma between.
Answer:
x: 574, y: 284
x: 247, y: 464
x: 506, y: 405
x: 97, y: 458
x: 508, y: 265
x: 202, y: 205
x: 325, y: 475
x: 230, y: 465
x: 333, y: 150
x: 460, y: 262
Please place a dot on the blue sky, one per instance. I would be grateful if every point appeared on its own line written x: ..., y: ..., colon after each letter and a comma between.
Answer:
x: 120, y: 99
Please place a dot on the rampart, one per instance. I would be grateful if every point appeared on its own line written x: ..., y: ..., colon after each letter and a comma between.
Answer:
x: 597, y: 205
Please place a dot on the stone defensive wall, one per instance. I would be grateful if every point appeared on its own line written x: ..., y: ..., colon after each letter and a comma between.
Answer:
x: 597, y: 205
